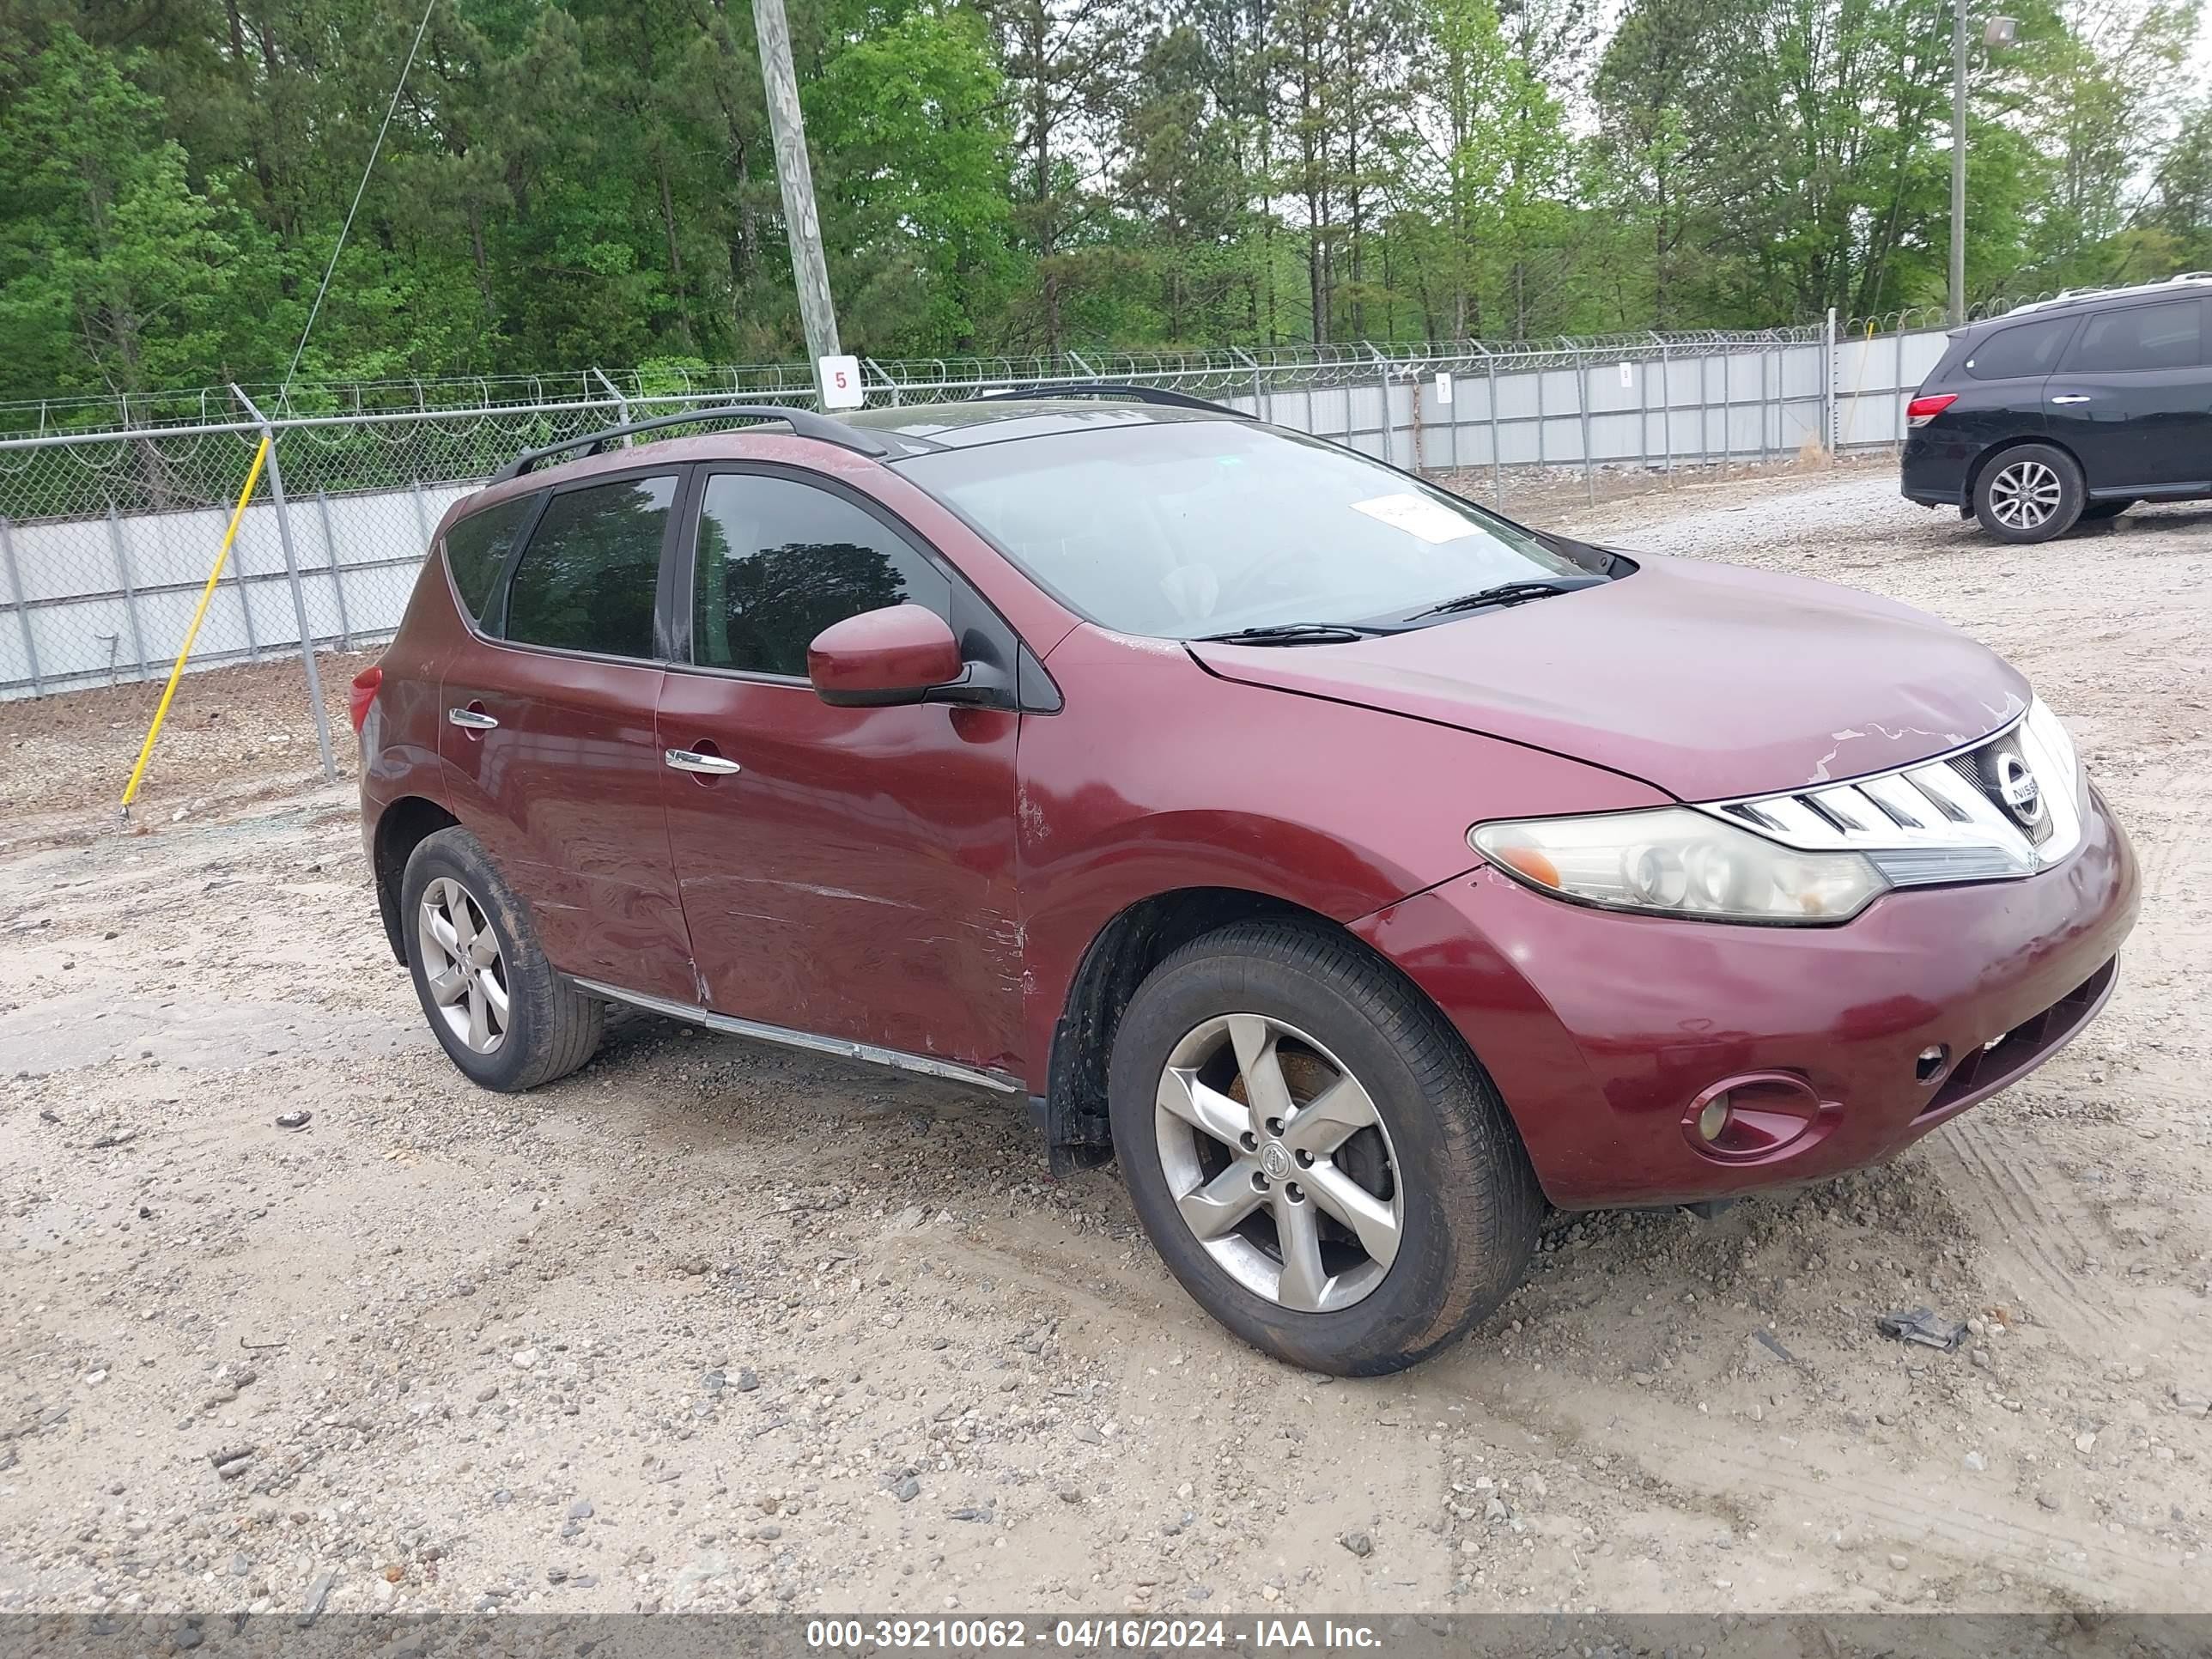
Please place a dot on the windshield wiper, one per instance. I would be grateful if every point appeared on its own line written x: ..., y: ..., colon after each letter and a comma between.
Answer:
x: 1504, y: 593
x: 1299, y: 633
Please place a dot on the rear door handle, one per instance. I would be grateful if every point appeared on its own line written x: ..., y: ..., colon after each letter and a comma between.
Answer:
x: 690, y: 760
x: 473, y: 719
x: 2071, y: 398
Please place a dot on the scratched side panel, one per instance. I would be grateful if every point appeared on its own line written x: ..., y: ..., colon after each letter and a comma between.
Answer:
x: 565, y: 794
x: 856, y: 878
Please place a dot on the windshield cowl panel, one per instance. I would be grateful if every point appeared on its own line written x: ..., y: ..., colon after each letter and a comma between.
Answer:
x: 1183, y: 531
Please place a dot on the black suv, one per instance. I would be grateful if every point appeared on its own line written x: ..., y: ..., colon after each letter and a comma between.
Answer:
x: 2073, y: 408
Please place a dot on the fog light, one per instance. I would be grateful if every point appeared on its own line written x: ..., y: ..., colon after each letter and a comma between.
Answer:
x: 1714, y: 1118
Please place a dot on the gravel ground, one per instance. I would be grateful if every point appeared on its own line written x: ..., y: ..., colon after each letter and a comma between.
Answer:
x: 234, y: 736
x: 712, y: 1325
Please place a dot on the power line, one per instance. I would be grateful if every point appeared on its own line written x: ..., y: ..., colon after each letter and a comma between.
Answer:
x: 362, y: 189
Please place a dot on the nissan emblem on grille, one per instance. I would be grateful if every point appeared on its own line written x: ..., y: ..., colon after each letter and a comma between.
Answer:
x: 2018, y: 789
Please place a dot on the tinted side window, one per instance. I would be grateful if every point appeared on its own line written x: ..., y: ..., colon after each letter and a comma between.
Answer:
x: 779, y: 561
x: 2030, y: 349
x: 586, y: 582
x: 2164, y: 336
x: 476, y: 547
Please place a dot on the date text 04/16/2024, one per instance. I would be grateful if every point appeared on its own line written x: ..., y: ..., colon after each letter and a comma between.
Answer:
x: 1085, y: 1635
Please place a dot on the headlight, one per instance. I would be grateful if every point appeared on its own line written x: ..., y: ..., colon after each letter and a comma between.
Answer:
x: 1676, y: 862
x: 2048, y: 731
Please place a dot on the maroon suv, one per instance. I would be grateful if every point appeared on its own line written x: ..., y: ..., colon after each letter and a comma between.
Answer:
x: 1363, y: 869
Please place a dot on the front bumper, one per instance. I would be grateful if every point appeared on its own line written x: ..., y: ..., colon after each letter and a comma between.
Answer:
x: 1604, y: 1031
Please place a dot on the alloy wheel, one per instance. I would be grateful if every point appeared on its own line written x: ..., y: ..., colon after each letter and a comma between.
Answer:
x: 1279, y: 1163
x: 462, y: 964
x: 2024, y: 495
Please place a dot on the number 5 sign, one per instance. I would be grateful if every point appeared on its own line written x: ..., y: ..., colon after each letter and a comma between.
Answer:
x: 841, y: 383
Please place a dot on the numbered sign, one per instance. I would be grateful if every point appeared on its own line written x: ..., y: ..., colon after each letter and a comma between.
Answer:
x: 841, y: 383
x: 1443, y: 387
x: 1628, y: 375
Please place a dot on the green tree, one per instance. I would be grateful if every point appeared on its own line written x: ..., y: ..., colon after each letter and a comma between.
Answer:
x: 114, y: 273
x: 915, y: 212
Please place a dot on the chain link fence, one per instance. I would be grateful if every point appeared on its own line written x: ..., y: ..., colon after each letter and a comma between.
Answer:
x: 111, y: 512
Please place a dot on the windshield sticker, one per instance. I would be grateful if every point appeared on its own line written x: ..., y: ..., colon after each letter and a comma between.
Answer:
x: 1417, y: 515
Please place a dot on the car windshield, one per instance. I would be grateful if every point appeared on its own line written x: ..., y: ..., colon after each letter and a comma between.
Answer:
x: 1183, y: 529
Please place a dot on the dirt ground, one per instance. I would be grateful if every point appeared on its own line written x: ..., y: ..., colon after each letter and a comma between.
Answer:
x: 714, y: 1325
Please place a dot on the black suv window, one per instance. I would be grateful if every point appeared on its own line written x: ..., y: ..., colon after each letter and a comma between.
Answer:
x: 586, y: 582
x: 2028, y: 348
x: 780, y: 561
x: 476, y: 547
x: 2168, y: 335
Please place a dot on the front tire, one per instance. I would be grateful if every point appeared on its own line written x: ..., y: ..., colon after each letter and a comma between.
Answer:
x: 2032, y: 492
x: 500, y: 1009
x: 1314, y: 1153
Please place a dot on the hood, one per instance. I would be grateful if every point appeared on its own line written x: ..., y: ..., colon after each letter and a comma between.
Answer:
x: 1711, y: 681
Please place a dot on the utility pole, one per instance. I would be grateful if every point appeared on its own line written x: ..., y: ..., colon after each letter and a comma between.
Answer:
x: 796, y: 178
x: 1958, y: 161
x: 1996, y: 32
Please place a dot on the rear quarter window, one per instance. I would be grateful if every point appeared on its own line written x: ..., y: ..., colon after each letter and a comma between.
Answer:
x: 2025, y: 349
x: 477, y: 547
x: 586, y: 582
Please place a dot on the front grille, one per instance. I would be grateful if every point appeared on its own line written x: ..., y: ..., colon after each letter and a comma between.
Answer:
x: 2006, y: 807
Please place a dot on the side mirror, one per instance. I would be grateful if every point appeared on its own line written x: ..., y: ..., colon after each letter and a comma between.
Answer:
x: 898, y: 654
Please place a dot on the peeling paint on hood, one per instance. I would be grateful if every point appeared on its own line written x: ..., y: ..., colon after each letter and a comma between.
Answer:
x: 1709, y: 681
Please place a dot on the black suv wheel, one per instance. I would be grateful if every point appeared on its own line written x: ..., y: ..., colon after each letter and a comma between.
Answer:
x: 2030, y: 494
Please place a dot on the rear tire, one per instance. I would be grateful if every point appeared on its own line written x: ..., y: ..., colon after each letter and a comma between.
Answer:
x: 500, y: 1009
x: 1434, y: 1176
x: 2030, y: 493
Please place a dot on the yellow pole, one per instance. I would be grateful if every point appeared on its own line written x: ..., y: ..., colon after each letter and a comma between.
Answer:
x: 207, y: 594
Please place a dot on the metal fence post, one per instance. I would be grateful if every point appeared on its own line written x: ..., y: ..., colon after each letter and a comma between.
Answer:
x: 337, y: 574
x: 1764, y: 455
x: 1704, y: 410
x: 1581, y: 414
x: 130, y: 592
x: 1245, y: 357
x: 1728, y: 410
x: 22, y: 609
x: 1383, y: 385
x: 1644, y: 420
x: 299, y: 594
x: 245, y: 604
x: 1497, y: 462
x: 622, y: 404
x: 1897, y: 388
x: 1828, y: 370
x: 1666, y: 406
x: 1540, y: 421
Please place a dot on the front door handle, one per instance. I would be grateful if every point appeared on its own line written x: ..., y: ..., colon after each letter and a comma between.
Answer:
x: 2071, y: 398
x: 690, y: 760
x: 474, y: 719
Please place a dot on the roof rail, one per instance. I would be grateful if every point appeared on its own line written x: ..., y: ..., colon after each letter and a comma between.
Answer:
x: 2068, y: 295
x: 803, y: 421
x: 1135, y: 394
